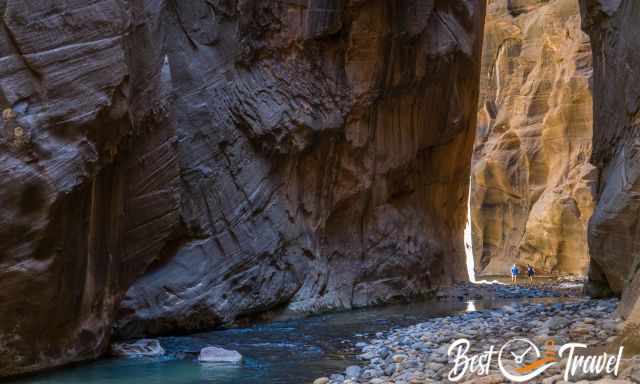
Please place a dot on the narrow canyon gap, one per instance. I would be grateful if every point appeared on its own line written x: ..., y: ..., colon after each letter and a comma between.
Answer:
x: 555, y: 174
x: 169, y: 166
x: 531, y: 181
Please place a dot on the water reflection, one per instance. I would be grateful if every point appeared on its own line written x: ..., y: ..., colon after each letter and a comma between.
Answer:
x: 283, y: 352
x: 471, y: 306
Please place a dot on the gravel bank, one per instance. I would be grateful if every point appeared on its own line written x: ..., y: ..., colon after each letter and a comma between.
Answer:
x: 419, y: 354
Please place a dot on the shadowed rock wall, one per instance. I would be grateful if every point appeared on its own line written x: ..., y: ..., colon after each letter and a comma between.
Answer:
x: 89, y: 174
x: 323, y: 151
x: 531, y: 192
x: 613, y: 230
x: 190, y: 162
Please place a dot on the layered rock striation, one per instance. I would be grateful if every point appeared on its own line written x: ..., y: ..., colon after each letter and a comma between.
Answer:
x: 531, y: 180
x: 323, y: 152
x: 613, y: 230
x: 89, y: 170
x: 169, y: 166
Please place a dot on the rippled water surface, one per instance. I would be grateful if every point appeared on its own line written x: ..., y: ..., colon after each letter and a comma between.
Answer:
x: 281, y: 352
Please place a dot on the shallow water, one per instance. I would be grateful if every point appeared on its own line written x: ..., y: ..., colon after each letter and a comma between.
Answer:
x: 281, y: 352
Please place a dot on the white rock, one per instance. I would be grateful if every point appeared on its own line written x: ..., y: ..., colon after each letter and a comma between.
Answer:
x: 219, y: 355
x: 143, y: 347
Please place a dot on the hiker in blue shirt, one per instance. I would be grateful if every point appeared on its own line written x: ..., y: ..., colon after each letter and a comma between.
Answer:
x: 514, y: 274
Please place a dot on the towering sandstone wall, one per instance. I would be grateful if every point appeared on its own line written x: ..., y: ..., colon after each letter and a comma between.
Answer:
x: 531, y: 193
x: 614, y: 234
x: 190, y: 162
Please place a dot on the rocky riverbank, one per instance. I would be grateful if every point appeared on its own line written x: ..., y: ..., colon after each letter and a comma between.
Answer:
x: 419, y: 354
x: 561, y: 287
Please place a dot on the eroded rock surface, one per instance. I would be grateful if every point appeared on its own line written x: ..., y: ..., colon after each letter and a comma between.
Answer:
x: 323, y: 149
x: 613, y: 230
x: 85, y: 207
x: 532, y: 183
x: 238, y: 155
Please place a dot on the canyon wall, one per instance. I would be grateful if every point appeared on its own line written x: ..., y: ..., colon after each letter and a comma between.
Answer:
x: 89, y: 170
x: 531, y: 181
x: 614, y: 233
x: 169, y: 166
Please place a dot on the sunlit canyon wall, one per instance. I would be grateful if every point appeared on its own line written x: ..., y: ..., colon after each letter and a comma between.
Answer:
x: 531, y: 181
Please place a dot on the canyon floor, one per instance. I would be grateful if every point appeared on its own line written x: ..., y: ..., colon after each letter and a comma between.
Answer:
x: 302, y: 349
x: 419, y: 353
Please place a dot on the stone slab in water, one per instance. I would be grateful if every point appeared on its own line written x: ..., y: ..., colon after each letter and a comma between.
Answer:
x: 144, y: 347
x: 219, y: 355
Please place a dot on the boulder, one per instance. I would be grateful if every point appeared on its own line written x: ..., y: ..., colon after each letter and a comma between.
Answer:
x: 144, y: 347
x: 219, y: 355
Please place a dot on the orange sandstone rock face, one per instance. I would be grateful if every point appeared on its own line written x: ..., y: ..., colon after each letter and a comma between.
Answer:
x: 531, y: 193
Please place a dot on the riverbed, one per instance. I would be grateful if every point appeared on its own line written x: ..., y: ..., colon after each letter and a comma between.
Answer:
x: 285, y: 351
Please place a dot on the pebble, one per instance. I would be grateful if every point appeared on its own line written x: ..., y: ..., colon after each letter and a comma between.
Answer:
x: 399, y: 358
x: 353, y: 372
x: 418, y: 354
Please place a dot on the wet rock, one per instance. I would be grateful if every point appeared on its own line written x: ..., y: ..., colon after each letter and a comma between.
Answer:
x: 418, y: 366
x: 367, y: 356
x: 353, y: 372
x: 369, y: 374
x: 399, y: 358
x: 491, y: 379
x: 556, y: 323
x: 598, y: 290
x: 219, y: 355
x: 144, y: 347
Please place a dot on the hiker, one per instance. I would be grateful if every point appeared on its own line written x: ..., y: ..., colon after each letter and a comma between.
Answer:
x: 531, y: 273
x: 514, y: 274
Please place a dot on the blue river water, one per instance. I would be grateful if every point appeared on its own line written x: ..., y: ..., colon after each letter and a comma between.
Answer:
x: 280, y: 352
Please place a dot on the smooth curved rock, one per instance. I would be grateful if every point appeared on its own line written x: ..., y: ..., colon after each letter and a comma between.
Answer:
x: 238, y: 155
x: 84, y: 208
x: 613, y: 230
x: 139, y: 348
x: 324, y: 152
x: 219, y: 355
x: 532, y: 184
x: 353, y: 371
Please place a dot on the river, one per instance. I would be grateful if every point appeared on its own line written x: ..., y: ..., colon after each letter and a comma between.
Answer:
x: 285, y: 351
